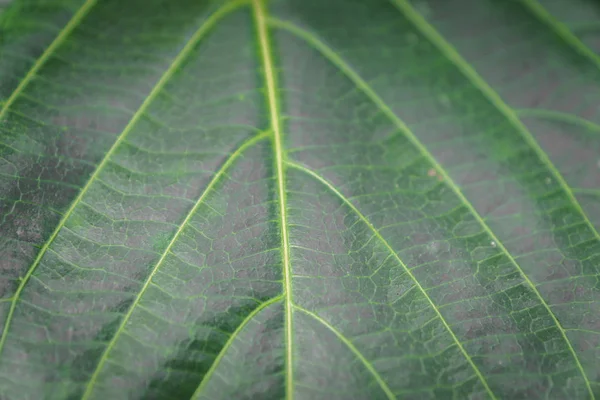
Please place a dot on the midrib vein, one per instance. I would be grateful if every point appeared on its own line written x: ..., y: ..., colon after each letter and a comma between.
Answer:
x: 561, y: 31
x: 216, y: 178
x: 366, y: 221
x: 39, y: 63
x: 469, y: 72
x: 343, y: 66
x: 384, y: 386
x: 336, y: 60
x: 271, y: 88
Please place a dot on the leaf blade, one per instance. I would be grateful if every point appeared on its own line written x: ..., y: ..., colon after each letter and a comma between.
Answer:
x: 395, y: 155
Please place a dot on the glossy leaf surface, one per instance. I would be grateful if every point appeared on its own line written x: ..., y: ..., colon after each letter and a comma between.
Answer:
x: 300, y: 199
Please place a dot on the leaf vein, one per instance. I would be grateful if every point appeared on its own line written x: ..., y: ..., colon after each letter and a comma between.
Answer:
x: 561, y: 30
x: 404, y: 266
x: 384, y: 386
x: 455, y: 58
x: 559, y: 116
x: 229, y: 342
x: 39, y: 63
x: 132, y: 122
x: 234, y: 156
x: 260, y: 16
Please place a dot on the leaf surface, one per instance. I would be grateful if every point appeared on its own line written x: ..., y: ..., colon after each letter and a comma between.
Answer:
x: 299, y: 199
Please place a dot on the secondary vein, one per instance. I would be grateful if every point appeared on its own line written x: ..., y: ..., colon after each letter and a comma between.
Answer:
x: 403, y: 265
x: 216, y: 178
x: 260, y: 15
x: 132, y: 122
x: 384, y: 386
x: 208, y: 24
x: 77, y: 18
x: 561, y: 30
x: 455, y: 58
x: 231, y: 339
x: 559, y: 116
x: 336, y: 60
x: 39, y: 63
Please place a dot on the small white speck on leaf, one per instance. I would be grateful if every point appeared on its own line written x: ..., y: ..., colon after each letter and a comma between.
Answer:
x: 493, y: 244
x: 548, y: 181
x: 433, y: 247
x: 432, y: 172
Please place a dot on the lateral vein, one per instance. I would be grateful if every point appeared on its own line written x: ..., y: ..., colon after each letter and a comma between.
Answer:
x: 341, y: 64
x: 271, y: 87
x: 402, y: 264
x: 209, y: 23
x: 455, y: 58
x: 561, y: 31
x: 229, y: 342
x: 136, y: 117
x: 384, y: 386
x: 216, y: 178
x: 77, y: 18
x: 39, y: 63
x: 559, y: 116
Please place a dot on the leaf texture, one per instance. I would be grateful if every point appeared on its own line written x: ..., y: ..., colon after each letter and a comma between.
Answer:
x: 299, y: 199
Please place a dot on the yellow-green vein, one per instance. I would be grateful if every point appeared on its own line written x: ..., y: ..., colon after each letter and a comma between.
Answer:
x: 216, y: 178
x: 402, y: 126
x: 561, y: 30
x: 343, y: 66
x: 60, y: 38
x: 454, y: 57
x: 260, y: 16
x: 208, y: 24
x: 227, y: 345
x: 384, y: 386
x: 401, y: 263
x: 452, y: 54
x: 558, y: 116
x: 159, y: 85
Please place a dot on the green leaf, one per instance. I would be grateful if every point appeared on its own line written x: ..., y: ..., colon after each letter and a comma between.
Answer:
x: 299, y: 199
